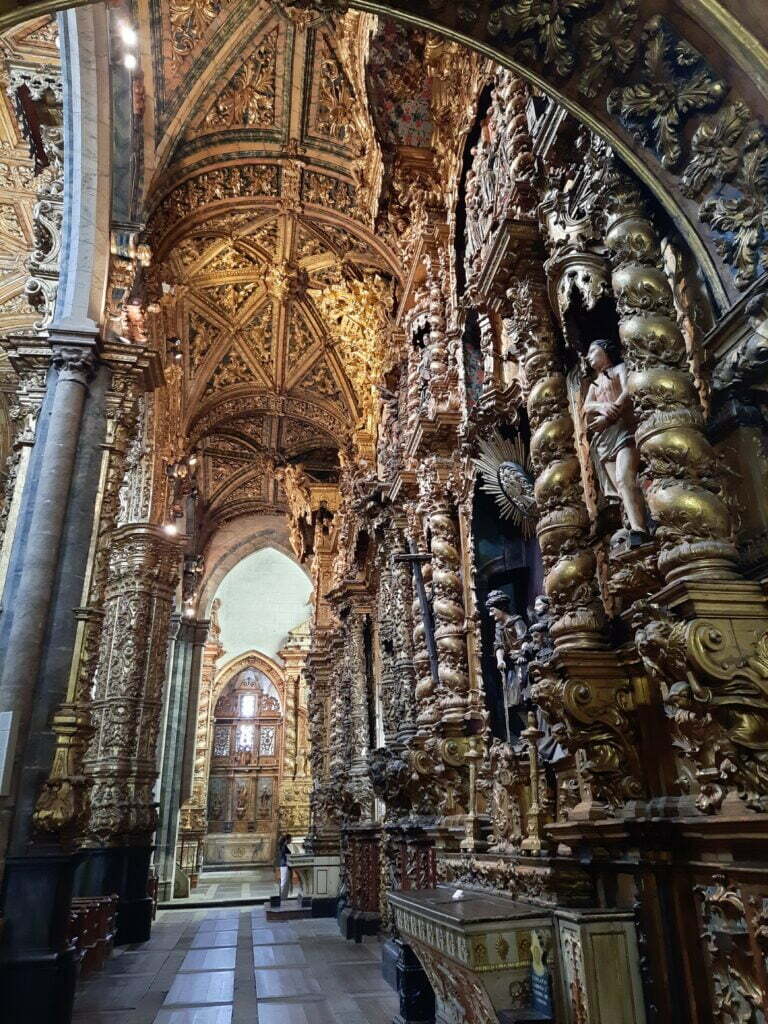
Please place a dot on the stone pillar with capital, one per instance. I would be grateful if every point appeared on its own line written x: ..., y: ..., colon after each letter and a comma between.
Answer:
x: 194, y: 808
x: 121, y: 762
x: 43, y: 569
x: 73, y: 363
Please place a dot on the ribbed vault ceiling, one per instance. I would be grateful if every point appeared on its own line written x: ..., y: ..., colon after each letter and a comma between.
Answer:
x: 265, y: 177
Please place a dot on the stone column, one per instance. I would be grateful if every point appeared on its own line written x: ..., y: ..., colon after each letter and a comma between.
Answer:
x: 73, y: 361
x: 127, y: 706
x: 182, y: 683
x: 39, y: 968
x: 194, y: 810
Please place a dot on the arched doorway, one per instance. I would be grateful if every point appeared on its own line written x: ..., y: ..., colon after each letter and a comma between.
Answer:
x: 251, y: 774
x: 246, y: 763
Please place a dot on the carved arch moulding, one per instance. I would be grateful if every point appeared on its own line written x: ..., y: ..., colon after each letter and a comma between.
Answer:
x: 680, y: 89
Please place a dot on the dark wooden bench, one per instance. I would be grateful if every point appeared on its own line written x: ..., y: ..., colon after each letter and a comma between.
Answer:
x: 92, y: 923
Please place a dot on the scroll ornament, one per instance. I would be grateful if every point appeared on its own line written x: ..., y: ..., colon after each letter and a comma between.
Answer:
x: 717, y: 700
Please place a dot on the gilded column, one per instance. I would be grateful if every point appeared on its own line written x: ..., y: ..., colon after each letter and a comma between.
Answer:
x: 62, y: 805
x: 30, y: 359
x: 563, y: 525
x: 359, y: 696
x: 583, y: 689
x: 143, y: 573
x: 683, y: 490
x: 142, y: 576
x: 402, y: 638
x: 448, y: 608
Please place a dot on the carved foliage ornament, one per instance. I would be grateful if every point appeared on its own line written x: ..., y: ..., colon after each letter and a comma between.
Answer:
x: 548, y: 21
x: 675, y: 82
x: 249, y: 98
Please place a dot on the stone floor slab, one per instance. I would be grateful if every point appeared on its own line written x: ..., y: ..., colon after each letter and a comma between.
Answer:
x: 276, y: 934
x: 285, y: 982
x: 210, y: 960
x: 209, y: 940
x: 278, y: 956
x: 202, y: 988
x: 195, y: 1015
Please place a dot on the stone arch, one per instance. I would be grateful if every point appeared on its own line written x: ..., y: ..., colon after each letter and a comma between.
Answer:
x: 250, y: 659
x: 252, y: 533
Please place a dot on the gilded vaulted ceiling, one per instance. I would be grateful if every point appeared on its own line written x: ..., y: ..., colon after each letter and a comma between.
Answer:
x: 29, y: 48
x: 264, y: 177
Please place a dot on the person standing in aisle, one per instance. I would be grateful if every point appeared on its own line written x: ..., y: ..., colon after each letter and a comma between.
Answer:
x: 283, y: 849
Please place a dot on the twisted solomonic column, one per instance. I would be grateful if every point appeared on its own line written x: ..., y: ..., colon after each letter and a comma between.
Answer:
x: 450, y: 617
x: 583, y: 689
x: 683, y: 490
x: 563, y: 525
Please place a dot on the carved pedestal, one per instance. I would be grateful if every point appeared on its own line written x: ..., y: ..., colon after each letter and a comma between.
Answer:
x: 362, y: 915
x: 490, y: 958
x: 477, y: 951
x: 600, y: 967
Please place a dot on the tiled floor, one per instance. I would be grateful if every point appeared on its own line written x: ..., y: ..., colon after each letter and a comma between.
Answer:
x: 227, y: 966
x: 230, y: 886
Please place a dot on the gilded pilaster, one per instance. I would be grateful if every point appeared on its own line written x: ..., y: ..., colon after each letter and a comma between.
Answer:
x: 142, y: 575
x: 194, y: 812
x: 62, y: 806
x: 30, y: 359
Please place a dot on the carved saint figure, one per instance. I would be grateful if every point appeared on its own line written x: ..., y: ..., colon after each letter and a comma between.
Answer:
x: 241, y: 807
x: 610, y: 422
x: 539, y: 646
x: 511, y: 631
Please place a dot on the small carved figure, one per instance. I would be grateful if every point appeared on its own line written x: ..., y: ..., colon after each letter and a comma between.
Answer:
x: 240, y: 807
x: 539, y: 647
x: 511, y: 631
x: 610, y: 422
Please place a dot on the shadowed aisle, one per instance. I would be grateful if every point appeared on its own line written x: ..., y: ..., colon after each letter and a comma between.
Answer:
x: 227, y: 966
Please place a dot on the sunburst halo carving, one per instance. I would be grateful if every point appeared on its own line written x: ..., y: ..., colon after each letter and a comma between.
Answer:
x: 504, y: 467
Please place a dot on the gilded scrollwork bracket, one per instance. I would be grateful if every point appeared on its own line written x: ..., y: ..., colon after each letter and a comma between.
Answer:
x: 713, y: 672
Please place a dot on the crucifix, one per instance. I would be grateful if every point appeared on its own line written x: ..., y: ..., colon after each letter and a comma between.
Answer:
x: 414, y: 559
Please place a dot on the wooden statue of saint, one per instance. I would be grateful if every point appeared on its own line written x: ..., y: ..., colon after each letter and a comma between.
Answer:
x: 611, y: 426
x: 511, y: 632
